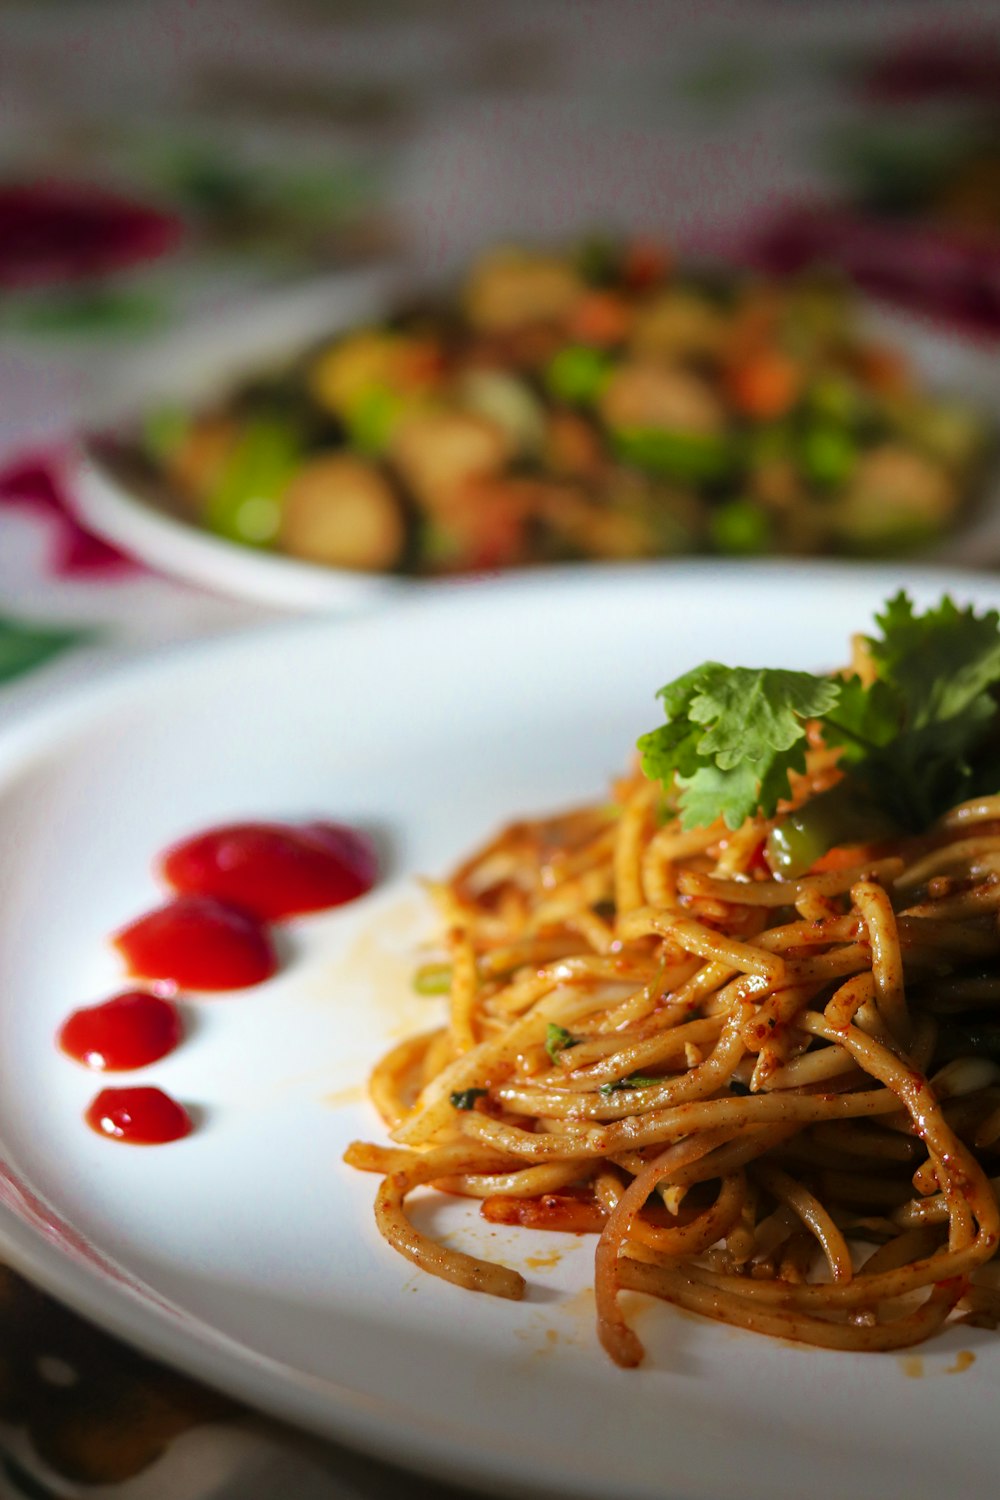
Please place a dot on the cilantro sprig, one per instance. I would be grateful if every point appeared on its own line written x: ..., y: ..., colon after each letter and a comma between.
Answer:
x: 916, y: 739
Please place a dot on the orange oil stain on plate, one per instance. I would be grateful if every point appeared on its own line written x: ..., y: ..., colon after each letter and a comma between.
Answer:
x: 543, y: 1262
x: 568, y: 1323
x: 914, y: 1367
x: 380, y: 961
x: 341, y: 1098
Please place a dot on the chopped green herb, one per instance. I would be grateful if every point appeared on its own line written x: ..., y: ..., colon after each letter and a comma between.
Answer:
x: 466, y: 1098
x: 558, y: 1039
x: 633, y: 1081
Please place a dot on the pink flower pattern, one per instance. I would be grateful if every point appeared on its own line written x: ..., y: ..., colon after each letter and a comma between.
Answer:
x: 38, y: 483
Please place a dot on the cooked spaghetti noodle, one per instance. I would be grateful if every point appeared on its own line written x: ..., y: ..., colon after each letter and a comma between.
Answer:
x: 760, y: 1096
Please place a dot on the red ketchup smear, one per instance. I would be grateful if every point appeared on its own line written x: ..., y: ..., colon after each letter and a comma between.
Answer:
x: 197, y: 943
x: 138, y: 1116
x: 128, y: 1031
x: 274, y: 870
x: 230, y: 881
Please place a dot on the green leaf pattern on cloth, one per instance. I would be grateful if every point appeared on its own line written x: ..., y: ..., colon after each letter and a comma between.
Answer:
x: 24, y: 646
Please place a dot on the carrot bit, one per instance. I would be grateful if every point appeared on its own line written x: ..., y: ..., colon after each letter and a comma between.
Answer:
x: 765, y: 385
x: 599, y: 318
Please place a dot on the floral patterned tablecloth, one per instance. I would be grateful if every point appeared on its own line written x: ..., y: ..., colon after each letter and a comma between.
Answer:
x: 162, y: 161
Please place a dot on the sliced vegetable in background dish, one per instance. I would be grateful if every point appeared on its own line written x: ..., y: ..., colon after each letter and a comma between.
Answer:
x: 601, y: 403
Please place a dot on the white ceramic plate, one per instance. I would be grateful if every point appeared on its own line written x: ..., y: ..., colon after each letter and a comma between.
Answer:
x: 247, y: 1254
x: 200, y: 362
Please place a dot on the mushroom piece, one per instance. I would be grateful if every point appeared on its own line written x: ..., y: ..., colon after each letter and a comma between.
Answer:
x: 572, y: 447
x: 356, y: 366
x: 510, y: 287
x: 895, y: 496
x: 437, y: 452
x: 680, y: 325
x: 507, y: 401
x: 641, y: 396
x: 340, y: 511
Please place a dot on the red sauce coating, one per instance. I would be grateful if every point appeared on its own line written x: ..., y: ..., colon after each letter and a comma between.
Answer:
x: 551, y: 1211
x: 197, y: 943
x: 138, y: 1116
x: 128, y: 1031
x: 274, y: 870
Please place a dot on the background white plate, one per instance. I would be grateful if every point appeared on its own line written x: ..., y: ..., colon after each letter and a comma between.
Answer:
x: 248, y: 1254
x: 203, y: 361
x: 198, y: 364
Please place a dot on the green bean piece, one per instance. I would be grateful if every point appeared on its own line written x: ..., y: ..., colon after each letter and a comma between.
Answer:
x: 687, y: 457
x: 836, y: 399
x: 843, y: 815
x: 371, y: 419
x: 828, y: 455
x: 432, y: 979
x: 577, y: 374
x: 246, y: 504
x: 741, y: 528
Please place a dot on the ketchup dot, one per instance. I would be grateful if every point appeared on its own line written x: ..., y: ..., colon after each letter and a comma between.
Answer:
x: 274, y: 870
x: 197, y: 943
x: 139, y: 1116
x: 128, y: 1031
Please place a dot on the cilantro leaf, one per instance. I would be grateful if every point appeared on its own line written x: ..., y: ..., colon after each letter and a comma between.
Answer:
x: 711, y: 793
x: 731, y: 737
x: 864, y: 718
x: 751, y: 713
x: 670, y: 750
x: 937, y: 663
x: 916, y: 732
